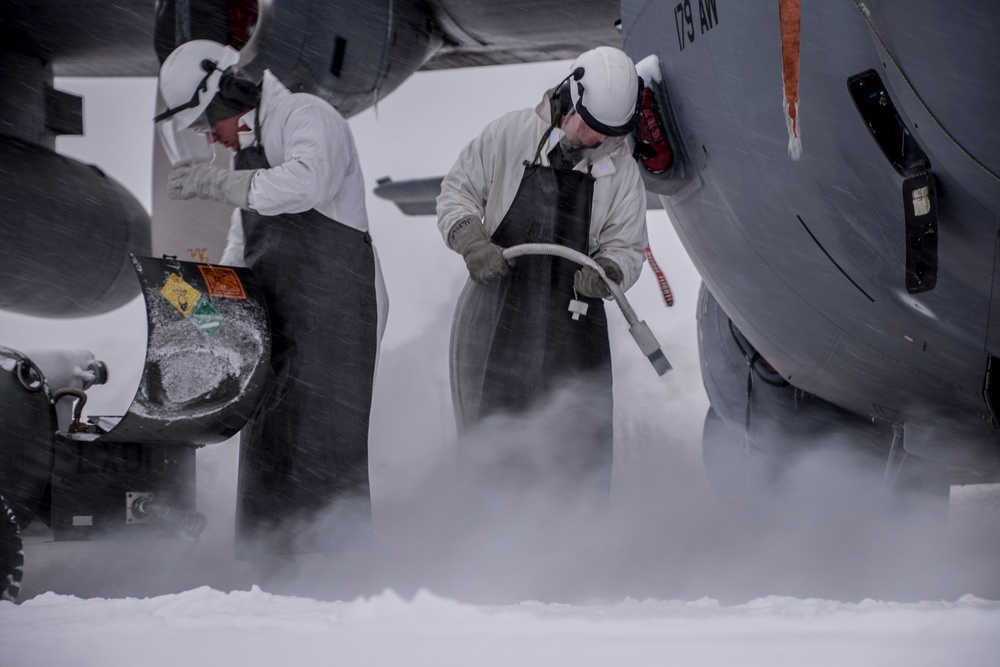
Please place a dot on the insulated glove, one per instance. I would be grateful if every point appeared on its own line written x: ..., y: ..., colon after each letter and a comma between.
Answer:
x: 589, y: 283
x: 200, y: 179
x: 482, y: 257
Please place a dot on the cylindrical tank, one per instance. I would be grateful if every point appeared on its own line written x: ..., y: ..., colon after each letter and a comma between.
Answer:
x: 67, y: 232
x: 27, y: 425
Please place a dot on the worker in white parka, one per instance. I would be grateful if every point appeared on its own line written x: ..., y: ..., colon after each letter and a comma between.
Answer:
x: 303, y: 469
x: 560, y: 173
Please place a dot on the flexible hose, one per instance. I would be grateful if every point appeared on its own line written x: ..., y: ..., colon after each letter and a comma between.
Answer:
x: 640, y: 331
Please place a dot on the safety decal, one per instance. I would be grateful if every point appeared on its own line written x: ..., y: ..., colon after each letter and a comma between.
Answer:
x: 183, y: 297
x: 789, y: 12
x: 207, y: 319
x: 665, y: 291
x: 222, y: 281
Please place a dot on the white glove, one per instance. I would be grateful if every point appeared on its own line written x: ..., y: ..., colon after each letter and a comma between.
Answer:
x: 205, y: 181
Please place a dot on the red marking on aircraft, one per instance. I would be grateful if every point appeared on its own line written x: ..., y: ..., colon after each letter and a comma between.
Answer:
x: 789, y: 12
x: 668, y: 294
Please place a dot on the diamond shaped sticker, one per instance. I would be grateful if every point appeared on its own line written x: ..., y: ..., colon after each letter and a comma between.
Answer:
x: 207, y: 319
x: 183, y: 297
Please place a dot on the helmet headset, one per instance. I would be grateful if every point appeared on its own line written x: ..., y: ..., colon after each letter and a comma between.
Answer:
x: 209, y: 70
x: 236, y: 94
x: 608, y: 130
x: 237, y: 91
x: 567, y: 97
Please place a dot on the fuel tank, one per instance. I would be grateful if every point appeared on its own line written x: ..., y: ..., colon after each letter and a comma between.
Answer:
x: 68, y: 230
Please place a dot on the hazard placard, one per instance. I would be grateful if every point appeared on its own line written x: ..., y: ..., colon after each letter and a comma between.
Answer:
x: 183, y: 297
x: 207, y: 319
x: 222, y: 281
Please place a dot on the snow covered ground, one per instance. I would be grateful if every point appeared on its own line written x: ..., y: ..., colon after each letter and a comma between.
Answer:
x: 670, y: 577
x: 253, y: 628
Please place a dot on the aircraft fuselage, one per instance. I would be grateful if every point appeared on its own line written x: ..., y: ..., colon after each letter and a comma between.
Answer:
x: 798, y: 200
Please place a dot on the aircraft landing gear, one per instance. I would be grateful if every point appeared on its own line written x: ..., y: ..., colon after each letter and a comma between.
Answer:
x: 894, y: 464
x: 735, y: 476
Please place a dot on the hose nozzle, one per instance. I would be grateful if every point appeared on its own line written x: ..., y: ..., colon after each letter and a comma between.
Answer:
x: 647, y: 342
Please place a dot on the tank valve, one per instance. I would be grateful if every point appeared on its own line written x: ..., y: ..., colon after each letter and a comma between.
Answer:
x: 143, y: 509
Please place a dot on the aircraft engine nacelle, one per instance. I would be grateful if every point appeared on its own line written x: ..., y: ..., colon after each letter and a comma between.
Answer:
x: 350, y: 54
x: 69, y: 256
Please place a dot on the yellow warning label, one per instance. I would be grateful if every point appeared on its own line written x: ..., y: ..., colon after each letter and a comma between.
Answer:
x: 183, y: 297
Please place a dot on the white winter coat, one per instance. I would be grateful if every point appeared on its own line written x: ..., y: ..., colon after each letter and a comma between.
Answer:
x: 314, y: 165
x: 487, y: 174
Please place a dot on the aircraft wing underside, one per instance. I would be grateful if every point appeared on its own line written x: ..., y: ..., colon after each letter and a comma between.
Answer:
x: 83, y: 39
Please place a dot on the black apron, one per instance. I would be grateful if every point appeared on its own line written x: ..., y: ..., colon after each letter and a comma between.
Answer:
x: 303, y: 468
x: 521, y: 351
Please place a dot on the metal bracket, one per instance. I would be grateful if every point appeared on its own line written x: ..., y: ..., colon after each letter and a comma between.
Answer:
x: 134, y: 504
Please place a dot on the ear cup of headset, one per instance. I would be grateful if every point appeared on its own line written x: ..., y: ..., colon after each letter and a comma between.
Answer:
x: 565, y: 99
x: 237, y: 90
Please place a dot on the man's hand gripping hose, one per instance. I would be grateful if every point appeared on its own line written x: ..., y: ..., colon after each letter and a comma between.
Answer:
x: 640, y: 331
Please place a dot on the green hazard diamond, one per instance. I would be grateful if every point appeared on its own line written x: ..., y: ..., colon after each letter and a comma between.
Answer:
x: 207, y: 319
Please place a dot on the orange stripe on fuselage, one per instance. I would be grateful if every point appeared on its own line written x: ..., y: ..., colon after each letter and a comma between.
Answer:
x: 789, y: 12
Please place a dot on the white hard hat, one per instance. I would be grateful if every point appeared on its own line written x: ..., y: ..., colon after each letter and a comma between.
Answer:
x: 605, y: 90
x: 189, y: 79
